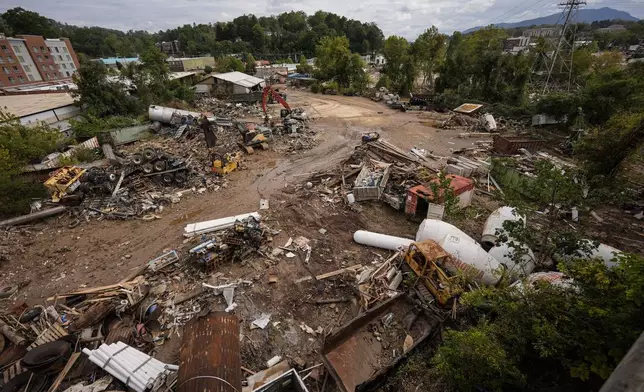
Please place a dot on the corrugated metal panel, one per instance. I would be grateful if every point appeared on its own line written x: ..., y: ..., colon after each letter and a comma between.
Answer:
x: 130, y: 134
x: 239, y: 78
x: 210, y: 348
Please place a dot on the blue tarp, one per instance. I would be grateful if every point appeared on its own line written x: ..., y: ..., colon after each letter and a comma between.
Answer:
x: 300, y: 76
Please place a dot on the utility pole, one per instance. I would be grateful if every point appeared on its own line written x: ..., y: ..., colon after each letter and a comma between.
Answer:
x: 565, y: 48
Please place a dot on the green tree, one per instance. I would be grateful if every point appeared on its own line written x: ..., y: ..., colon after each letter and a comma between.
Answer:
x: 429, y: 51
x: 304, y: 67
x: 335, y: 62
x: 475, y: 359
x: 250, y: 64
x: 99, y: 94
x: 228, y: 64
x: 573, y: 335
x: 606, y: 148
x: 400, y: 65
x: 20, y: 145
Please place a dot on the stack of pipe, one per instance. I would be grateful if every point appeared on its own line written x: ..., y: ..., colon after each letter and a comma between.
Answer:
x: 199, y: 228
x: 135, y: 369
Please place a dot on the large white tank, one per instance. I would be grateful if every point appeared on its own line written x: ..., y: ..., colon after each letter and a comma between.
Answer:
x: 495, y: 221
x: 164, y: 114
x: 471, y: 259
x: 434, y: 229
x: 503, y: 254
x: 604, y: 252
x: 380, y: 240
x: 553, y: 277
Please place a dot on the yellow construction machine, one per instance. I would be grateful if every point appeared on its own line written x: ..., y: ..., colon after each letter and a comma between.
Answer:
x: 227, y: 163
x: 427, y: 260
x: 64, y: 181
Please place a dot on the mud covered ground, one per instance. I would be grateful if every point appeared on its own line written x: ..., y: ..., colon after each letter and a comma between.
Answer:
x: 48, y: 257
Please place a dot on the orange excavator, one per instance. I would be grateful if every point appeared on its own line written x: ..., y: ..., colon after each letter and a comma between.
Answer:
x: 275, y: 96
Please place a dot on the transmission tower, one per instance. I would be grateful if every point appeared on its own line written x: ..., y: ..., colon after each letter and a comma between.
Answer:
x: 561, y: 61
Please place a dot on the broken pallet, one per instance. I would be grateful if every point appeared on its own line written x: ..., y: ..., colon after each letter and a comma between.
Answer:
x: 51, y: 334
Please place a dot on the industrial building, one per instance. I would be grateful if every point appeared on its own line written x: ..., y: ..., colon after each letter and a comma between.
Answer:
x: 54, y: 109
x: 183, y: 64
x: 230, y: 83
x: 32, y: 58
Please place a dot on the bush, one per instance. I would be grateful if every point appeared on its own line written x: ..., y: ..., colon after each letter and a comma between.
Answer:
x: 330, y: 86
x: 474, y: 360
x: 20, y: 145
x: 16, y: 195
x: 449, y: 99
x: 558, y: 105
x: 89, y: 126
x: 384, y: 81
x: 349, y: 91
x: 315, y: 88
x: 207, y: 69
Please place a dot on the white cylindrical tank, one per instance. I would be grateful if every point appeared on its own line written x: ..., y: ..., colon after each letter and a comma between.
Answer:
x: 471, y: 259
x: 495, y: 221
x: 380, y: 240
x: 436, y: 230
x: 164, y: 114
x: 503, y: 254
x: 604, y: 252
x: 553, y: 277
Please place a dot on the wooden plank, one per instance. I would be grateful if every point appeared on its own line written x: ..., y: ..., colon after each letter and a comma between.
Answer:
x: 5, y: 376
x: 352, y: 268
x: 96, y: 290
x: 63, y: 373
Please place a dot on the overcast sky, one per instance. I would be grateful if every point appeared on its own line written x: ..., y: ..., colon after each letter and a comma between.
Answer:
x: 401, y: 17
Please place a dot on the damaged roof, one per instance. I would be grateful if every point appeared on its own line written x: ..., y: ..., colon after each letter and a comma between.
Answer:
x: 25, y: 105
x: 239, y: 78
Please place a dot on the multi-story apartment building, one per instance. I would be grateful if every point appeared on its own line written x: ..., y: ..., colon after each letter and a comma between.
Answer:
x: 31, y: 58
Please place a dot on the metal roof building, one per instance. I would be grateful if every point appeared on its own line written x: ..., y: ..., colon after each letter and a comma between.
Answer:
x: 235, y: 82
x: 53, y: 109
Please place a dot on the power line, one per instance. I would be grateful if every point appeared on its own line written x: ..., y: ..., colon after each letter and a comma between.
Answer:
x: 566, y: 42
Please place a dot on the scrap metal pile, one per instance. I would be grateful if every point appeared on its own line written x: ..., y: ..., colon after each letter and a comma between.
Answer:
x: 291, y: 133
x: 148, y: 178
x: 116, y: 331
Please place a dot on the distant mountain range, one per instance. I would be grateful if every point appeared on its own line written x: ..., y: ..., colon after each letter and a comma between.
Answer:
x: 583, y: 16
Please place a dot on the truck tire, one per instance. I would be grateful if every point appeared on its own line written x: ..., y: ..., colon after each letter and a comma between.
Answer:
x: 148, y: 168
x: 137, y: 159
x: 7, y: 291
x: 160, y: 165
x: 167, y: 178
x: 180, y: 178
x: 149, y: 154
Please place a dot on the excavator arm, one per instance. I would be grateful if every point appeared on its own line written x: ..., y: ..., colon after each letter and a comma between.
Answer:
x: 268, y: 90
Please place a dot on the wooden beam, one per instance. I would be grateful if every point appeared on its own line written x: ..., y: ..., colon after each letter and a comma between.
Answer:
x: 63, y: 373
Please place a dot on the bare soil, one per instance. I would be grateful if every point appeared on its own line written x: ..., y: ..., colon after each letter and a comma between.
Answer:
x: 49, y: 257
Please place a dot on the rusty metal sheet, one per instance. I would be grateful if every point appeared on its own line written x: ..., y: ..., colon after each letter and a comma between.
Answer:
x: 210, y: 348
x: 431, y: 250
x: 511, y: 144
x: 353, y: 355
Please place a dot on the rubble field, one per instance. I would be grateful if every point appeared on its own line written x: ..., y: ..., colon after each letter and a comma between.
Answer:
x: 275, y: 267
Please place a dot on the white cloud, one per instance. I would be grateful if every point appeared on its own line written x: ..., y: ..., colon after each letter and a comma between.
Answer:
x: 402, y: 17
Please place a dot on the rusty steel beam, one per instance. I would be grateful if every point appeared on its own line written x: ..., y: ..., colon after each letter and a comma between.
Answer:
x: 210, y: 358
